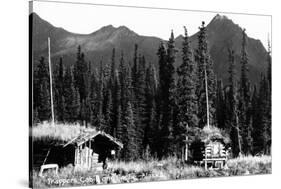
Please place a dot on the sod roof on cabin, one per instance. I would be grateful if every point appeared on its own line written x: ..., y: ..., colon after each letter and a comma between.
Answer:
x: 62, y: 134
x: 212, y: 133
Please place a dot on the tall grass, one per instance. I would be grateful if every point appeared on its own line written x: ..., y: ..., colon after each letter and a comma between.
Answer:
x: 172, y: 168
x: 153, y: 170
x: 246, y: 165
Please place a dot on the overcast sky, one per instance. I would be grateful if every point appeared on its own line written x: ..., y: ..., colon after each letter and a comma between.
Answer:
x: 84, y: 19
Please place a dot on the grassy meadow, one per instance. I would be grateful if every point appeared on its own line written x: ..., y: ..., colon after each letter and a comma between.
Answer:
x: 153, y: 170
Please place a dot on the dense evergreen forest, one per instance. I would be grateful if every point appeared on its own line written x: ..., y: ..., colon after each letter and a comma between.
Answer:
x: 151, y: 109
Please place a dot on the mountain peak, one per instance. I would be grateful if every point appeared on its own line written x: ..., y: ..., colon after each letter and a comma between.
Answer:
x: 125, y: 31
x: 220, y: 17
x: 223, y: 24
x: 124, y: 28
x: 108, y: 28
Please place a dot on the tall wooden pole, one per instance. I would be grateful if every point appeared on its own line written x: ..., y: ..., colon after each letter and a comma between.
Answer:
x: 238, y: 134
x: 186, y: 145
x: 186, y: 149
x: 207, y: 99
x: 51, y: 85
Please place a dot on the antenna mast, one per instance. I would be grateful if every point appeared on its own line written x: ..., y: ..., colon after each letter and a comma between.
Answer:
x: 51, y: 85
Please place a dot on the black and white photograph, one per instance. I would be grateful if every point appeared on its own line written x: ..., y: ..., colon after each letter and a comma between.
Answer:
x: 128, y: 94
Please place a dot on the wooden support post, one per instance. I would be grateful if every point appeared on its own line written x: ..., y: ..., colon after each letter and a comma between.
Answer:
x: 75, y: 156
x: 90, y: 155
x: 80, y: 152
x: 97, y: 177
x: 206, y: 165
x: 85, y: 155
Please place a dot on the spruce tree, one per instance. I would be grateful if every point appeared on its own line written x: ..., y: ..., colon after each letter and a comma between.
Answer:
x: 166, y: 90
x: 108, y: 112
x: 123, y: 76
x: 135, y: 97
x: 114, y: 97
x: 80, y: 72
x: 262, y: 131
x: 100, y: 124
x: 59, y: 96
x: 220, y: 106
x: 112, y: 70
x: 117, y: 127
x: 88, y: 100
x: 161, y: 96
x: 140, y: 99
x: 81, y: 81
x: 130, y: 151
x: 35, y: 119
x: 44, y: 108
x: 232, y: 107
x: 186, y: 96
x: 72, y: 98
x: 128, y: 126
x: 149, y: 109
x: 256, y: 120
x: 135, y: 67
x: 93, y: 96
x: 244, y: 98
x: 205, y: 64
x: 44, y: 101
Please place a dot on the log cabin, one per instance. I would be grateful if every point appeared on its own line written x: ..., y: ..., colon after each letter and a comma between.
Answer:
x: 87, y: 150
x: 211, y: 148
